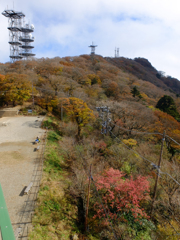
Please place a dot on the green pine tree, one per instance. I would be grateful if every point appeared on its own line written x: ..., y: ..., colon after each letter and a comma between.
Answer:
x: 167, y: 104
x: 135, y: 92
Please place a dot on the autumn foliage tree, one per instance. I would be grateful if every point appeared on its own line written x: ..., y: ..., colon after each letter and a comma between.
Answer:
x: 122, y: 196
x: 14, y: 88
x: 112, y: 90
x: 94, y: 79
x: 78, y: 111
x: 131, y: 116
x: 172, y: 127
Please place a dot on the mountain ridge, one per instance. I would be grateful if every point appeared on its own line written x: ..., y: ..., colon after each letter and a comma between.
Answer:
x: 142, y: 68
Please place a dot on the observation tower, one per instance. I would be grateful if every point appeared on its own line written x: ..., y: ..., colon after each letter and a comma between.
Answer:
x: 19, y: 35
x: 93, y: 47
x: 26, y: 39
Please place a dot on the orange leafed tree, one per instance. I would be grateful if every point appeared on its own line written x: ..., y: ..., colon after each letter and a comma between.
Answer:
x: 112, y: 90
x: 172, y: 127
x: 78, y: 111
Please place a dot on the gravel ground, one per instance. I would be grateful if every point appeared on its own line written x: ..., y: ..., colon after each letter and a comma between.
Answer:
x: 17, y: 160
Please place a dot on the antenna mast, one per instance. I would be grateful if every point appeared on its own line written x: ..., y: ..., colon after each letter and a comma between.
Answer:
x: 93, y: 47
x: 117, y: 53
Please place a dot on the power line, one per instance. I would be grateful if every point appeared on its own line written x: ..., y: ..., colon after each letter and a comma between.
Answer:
x: 154, y: 133
x: 173, y: 140
x: 137, y: 132
x: 153, y: 164
x: 103, y: 109
x: 171, y: 177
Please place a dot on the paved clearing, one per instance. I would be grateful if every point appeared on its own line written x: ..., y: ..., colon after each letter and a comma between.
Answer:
x: 17, y: 160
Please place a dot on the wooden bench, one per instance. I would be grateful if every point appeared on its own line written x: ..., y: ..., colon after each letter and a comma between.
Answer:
x: 26, y: 191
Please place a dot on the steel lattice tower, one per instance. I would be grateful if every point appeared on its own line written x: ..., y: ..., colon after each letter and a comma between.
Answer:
x: 14, y: 26
x: 19, y: 35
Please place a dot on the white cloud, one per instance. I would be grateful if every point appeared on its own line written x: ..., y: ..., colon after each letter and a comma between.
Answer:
x: 139, y: 28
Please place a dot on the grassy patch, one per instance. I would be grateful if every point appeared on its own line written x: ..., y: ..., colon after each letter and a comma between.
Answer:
x: 53, y: 162
x: 56, y: 212
x: 53, y: 137
x: 52, y: 124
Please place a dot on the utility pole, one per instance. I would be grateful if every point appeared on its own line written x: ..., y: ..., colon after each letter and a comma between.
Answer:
x: 158, y: 168
x: 87, y: 207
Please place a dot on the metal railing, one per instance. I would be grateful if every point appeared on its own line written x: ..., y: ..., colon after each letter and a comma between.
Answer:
x: 6, y: 230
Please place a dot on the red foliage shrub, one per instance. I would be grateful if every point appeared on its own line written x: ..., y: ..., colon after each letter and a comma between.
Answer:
x: 121, y: 196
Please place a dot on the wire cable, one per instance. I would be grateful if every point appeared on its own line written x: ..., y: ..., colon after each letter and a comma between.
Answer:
x: 173, y: 140
x: 153, y: 164
x: 138, y: 132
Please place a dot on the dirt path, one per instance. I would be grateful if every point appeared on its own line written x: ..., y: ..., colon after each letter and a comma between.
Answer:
x: 18, y: 160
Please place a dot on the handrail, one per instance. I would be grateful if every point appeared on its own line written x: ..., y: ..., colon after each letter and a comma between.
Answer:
x: 5, y: 222
x: 0, y: 234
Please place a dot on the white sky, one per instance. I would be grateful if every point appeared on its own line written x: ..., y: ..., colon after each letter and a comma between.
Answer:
x: 140, y: 28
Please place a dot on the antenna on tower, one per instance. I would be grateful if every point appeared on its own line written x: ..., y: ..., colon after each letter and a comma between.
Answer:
x: 93, y: 47
x: 117, y: 53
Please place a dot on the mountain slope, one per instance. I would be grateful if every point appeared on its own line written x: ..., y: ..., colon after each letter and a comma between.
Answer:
x: 142, y: 68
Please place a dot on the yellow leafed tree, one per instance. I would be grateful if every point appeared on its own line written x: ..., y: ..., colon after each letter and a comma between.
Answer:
x: 14, y: 88
x: 78, y: 111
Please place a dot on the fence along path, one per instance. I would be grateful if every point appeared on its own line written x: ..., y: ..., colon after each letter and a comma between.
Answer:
x: 25, y: 219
